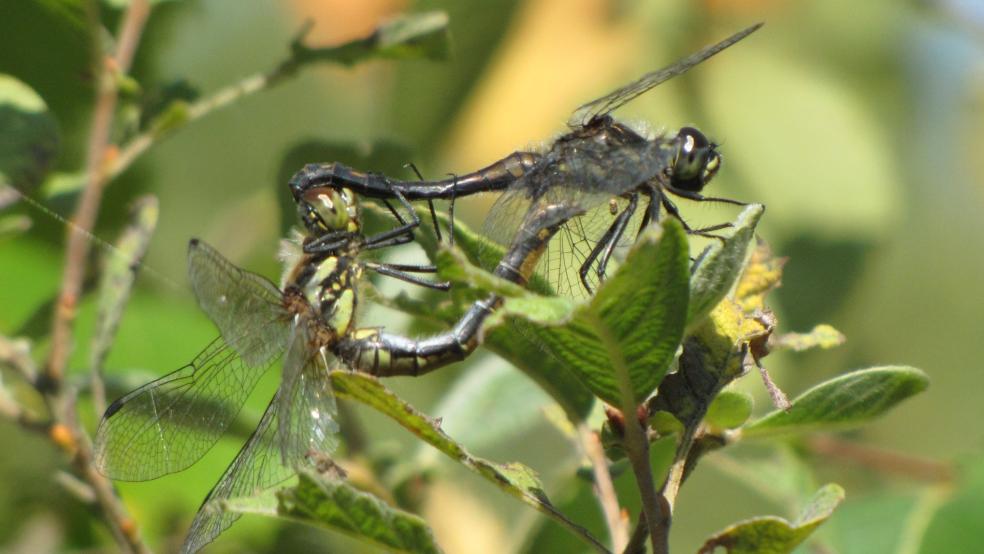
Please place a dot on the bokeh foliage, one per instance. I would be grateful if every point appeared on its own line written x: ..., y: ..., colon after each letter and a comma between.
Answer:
x: 852, y: 130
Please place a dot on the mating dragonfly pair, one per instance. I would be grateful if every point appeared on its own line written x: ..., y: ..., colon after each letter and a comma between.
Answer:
x: 552, y: 212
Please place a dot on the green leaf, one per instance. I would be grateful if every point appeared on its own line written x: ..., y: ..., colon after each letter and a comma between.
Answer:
x: 719, y: 267
x: 775, y: 535
x: 845, y: 401
x: 422, y: 35
x: 729, y: 409
x: 29, y: 135
x: 621, y: 343
x: 334, y: 504
x: 513, y: 478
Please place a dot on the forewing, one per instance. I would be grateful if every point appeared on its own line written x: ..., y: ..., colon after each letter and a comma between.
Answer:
x: 620, y: 96
x: 299, y: 420
x: 168, y: 424
x: 240, y: 303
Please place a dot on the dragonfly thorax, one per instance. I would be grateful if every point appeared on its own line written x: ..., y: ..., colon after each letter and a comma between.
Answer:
x: 695, y: 161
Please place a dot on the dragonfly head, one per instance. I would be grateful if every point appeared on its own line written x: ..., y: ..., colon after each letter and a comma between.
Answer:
x: 695, y: 161
x: 328, y: 209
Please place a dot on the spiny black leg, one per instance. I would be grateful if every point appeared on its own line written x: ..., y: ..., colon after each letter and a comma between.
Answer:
x: 382, y: 269
x: 696, y: 196
x: 403, y: 230
x: 454, y: 190
x: 703, y: 232
x: 652, y: 208
x: 327, y: 243
x: 706, y: 232
x: 413, y: 268
x: 607, y: 243
x: 430, y: 201
x: 393, y: 211
x: 622, y: 221
x: 392, y: 241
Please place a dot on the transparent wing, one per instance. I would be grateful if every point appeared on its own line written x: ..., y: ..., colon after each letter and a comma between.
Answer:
x: 240, y: 303
x: 168, y: 424
x: 590, y: 178
x: 307, y: 400
x: 300, y: 419
x: 620, y: 96
x: 568, y: 250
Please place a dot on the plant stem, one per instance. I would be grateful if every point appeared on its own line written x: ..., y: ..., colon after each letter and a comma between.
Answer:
x: 66, y: 430
x: 604, y: 489
x: 635, y: 442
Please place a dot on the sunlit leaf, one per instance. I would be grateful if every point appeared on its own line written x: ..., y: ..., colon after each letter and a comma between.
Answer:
x: 719, y: 267
x: 513, y: 478
x: 844, y: 401
x: 623, y: 340
x: 775, y: 535
x: 334, y: 504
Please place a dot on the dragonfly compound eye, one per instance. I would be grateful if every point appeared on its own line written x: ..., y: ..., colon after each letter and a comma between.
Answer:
x: 325, y: 209
x: 696, y: 160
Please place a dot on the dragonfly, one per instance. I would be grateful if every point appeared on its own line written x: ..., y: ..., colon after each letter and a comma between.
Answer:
x: 168, y: 424
x: 613, y: 175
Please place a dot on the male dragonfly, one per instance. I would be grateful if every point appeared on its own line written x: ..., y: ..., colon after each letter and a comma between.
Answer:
x: 602, y: 166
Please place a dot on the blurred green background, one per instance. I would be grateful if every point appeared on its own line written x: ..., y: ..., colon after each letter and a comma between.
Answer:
x: 857, y: 123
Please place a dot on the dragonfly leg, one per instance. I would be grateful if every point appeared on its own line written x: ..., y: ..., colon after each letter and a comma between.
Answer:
x: 430, y: 201
x: 606, y: 244
x: 405, y: 229
x: 454, y: 192
x: 407, y: 276
x: 698, y: 197
x: 328, y: 242
x: 705, y: 232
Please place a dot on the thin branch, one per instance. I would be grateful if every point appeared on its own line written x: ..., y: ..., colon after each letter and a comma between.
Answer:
x: 87, y: 211
x: 76, y: 487
x: 634, y: 440
x: 66, y: 431
x: 300, y: 55
x: 604, y: 489
x: 139, y: 144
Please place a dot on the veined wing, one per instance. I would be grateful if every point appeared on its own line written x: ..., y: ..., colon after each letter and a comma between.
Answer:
x: 620, y: 96
x: 300, y: 418
x: 243, y: 305
x: 168, y: 424
x: 587, y: 177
